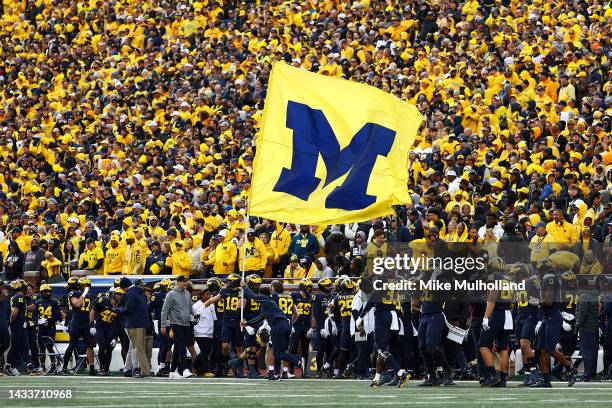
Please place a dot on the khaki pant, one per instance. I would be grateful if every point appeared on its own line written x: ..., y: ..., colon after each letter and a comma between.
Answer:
x: 149, y: 347
x: 139, y: 347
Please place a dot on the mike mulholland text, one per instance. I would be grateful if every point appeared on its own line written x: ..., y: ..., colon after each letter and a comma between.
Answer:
x: 436, y: 285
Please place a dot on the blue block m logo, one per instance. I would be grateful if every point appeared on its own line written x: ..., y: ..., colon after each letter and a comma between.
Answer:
x: 313, y: 136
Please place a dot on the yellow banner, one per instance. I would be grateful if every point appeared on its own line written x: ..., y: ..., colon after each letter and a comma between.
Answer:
x: 330, y: 150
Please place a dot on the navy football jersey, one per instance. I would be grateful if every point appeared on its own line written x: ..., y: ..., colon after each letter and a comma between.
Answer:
x: 569, y: 298
x: 527, y: 300
x: 157, y: 302
x: 31, y: 315
x: 19, y: 302
x: 319, y: 308
x: 105, y: 314
x: 304, y: 307
x: 285, y: 303
x: 252, y: 309
x: 550, y: 283
x: 231, y: 303
x: 430, y: 303
x: 48, y: 309
x: 344, y: 305
x: 80, y: 316
x: 506, y: 296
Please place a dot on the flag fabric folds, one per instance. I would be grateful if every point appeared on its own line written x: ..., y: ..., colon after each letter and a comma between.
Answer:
x: 330, y: 150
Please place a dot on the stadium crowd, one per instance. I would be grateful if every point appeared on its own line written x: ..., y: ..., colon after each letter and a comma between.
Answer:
x: 129, y: 131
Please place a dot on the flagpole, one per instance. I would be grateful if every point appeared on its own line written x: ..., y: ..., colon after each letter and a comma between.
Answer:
x: 243, y: 267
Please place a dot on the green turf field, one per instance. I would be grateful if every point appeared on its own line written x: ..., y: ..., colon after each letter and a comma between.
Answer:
x: 154, y: 392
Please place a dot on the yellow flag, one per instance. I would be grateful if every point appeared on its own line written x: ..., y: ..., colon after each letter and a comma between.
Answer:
x: 330, y: 151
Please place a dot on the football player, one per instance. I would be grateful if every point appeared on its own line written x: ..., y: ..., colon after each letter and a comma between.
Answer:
x: 155, y: 306
x: 302, y: 299
x: 342, y: 303
x: 48, y: 315
x: 285, y: 303
x: 321, y: 344
x: 332, y: 323
x: 231, y: 335
x: 81, y: 302
x: 567, y: 337
x: 528, y: 316
x: 496, y: 326
x: 362, y: 335
x: 18, y: 352
x: 548, y: 330
x: 386, y: 328
x: 604, y: 285
x: 102, y: 316
x: 216, y: 354
x: 32, y: 332
x: 280, y: 326
x: 431, y: 327
x: 251, y: 323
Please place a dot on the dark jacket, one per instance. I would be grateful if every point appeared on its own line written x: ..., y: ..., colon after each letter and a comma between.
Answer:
x: 587, y: 313
x: 334, y: 244
x: 135, y: 312
x: 13, y: 264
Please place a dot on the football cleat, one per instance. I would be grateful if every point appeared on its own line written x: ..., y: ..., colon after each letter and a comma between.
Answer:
x: 541, y: 384
x: 174, y: 375
x: 403, y: 379
x: 571, y: 376
x: 491, y: 381
x: 426, y: 383
x: 276, y: 378
x: 187, y: 373
x: 375, y: 383
x: 349, y: 371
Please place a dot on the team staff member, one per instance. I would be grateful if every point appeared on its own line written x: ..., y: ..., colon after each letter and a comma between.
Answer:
x: 135, y: 315
x: 176, y: 316
x: 587, y: 327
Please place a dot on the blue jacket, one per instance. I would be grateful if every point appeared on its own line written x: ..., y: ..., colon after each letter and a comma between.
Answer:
x: 135, y: 310
x: 304, y: 246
